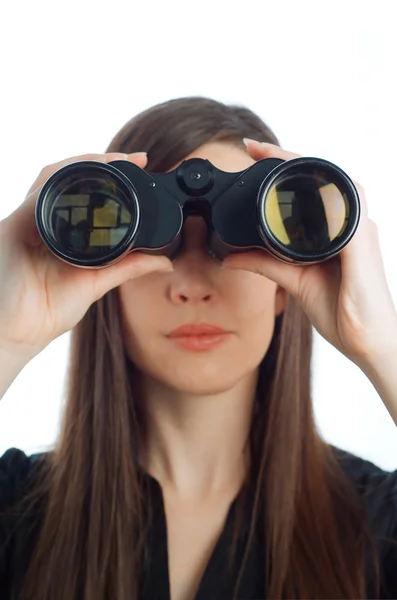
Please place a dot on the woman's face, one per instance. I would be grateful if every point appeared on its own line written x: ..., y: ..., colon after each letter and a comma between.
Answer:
x: 241, y: 302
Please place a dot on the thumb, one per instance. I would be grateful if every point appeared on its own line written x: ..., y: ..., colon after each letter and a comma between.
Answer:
x: 132, y: 266
x: 286, y: 275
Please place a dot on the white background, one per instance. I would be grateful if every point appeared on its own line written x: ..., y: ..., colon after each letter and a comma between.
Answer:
x: 321, y: 74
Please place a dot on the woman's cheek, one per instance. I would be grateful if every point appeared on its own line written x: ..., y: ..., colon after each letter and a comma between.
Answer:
x: 252, y: 297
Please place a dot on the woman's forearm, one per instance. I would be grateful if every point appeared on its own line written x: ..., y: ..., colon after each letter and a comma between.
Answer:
x: 381, y: 370
x: 12, y: 361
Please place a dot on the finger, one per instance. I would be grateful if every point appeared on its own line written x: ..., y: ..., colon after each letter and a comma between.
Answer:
x: 363, y: 200
x: 263, y: 263
x: 132, y: 266
x: 260, y: 150
x: 139, y: 158
x: 362, y: 255
x: 23, y: 219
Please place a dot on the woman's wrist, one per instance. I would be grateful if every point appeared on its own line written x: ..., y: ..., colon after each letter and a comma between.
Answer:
x: 12, y: 361
x: 381, y: 370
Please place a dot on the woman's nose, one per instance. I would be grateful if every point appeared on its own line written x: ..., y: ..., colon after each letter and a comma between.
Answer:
x: 192, y: 280
x: 191, y: 288
x: 194, y: 234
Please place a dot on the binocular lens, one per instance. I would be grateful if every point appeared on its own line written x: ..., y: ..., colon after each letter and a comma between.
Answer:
x: 307, y: 209
x: 88, y: 213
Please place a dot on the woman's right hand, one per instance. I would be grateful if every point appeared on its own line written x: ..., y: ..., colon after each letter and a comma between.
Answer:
x: 42, y: 297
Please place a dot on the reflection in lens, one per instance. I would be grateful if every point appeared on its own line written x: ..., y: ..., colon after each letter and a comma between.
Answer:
x: 89, y: 215
x: 306, y: 211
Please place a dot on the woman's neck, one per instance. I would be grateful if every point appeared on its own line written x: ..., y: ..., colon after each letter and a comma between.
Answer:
x: 197, y: 445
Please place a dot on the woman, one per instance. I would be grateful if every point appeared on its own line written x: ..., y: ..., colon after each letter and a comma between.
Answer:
x: 181, y: 474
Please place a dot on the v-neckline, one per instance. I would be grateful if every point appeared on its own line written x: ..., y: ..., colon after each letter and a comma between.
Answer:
x: 215, y: 567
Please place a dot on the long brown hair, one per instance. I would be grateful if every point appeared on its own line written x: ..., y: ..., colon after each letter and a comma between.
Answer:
x: 91, y: 543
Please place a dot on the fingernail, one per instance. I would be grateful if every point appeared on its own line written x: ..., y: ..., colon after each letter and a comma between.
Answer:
x: 135, y: 153
x: 249, y: 140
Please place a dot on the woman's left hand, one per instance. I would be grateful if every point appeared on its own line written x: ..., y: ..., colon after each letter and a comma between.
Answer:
x: 346, y: 298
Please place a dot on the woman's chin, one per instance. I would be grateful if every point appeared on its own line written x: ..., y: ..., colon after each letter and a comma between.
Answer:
x: 200, y: 387
x: 203, y: 374
x: 209, y: 380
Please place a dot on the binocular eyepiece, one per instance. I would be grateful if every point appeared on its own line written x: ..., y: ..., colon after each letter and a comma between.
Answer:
x: 303, y: 211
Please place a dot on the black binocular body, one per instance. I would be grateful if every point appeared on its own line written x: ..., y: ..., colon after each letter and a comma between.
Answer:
x: 303, y: 211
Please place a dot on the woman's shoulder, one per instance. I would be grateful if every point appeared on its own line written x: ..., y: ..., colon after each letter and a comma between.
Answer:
x: 370, y: 480
x: 16, y: 468
x: 363, y: 472
x: 377, y: 487
x: 18, y: 461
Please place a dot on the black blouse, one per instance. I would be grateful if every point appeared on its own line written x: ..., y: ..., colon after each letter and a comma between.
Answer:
x: 378, y: 487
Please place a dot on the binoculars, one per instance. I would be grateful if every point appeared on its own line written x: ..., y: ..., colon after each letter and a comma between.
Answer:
x: 303, y: 211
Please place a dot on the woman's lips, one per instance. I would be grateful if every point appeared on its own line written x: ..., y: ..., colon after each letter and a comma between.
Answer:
x: 198, y: 343
x: 197, y: 329
x: 198, y: 337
